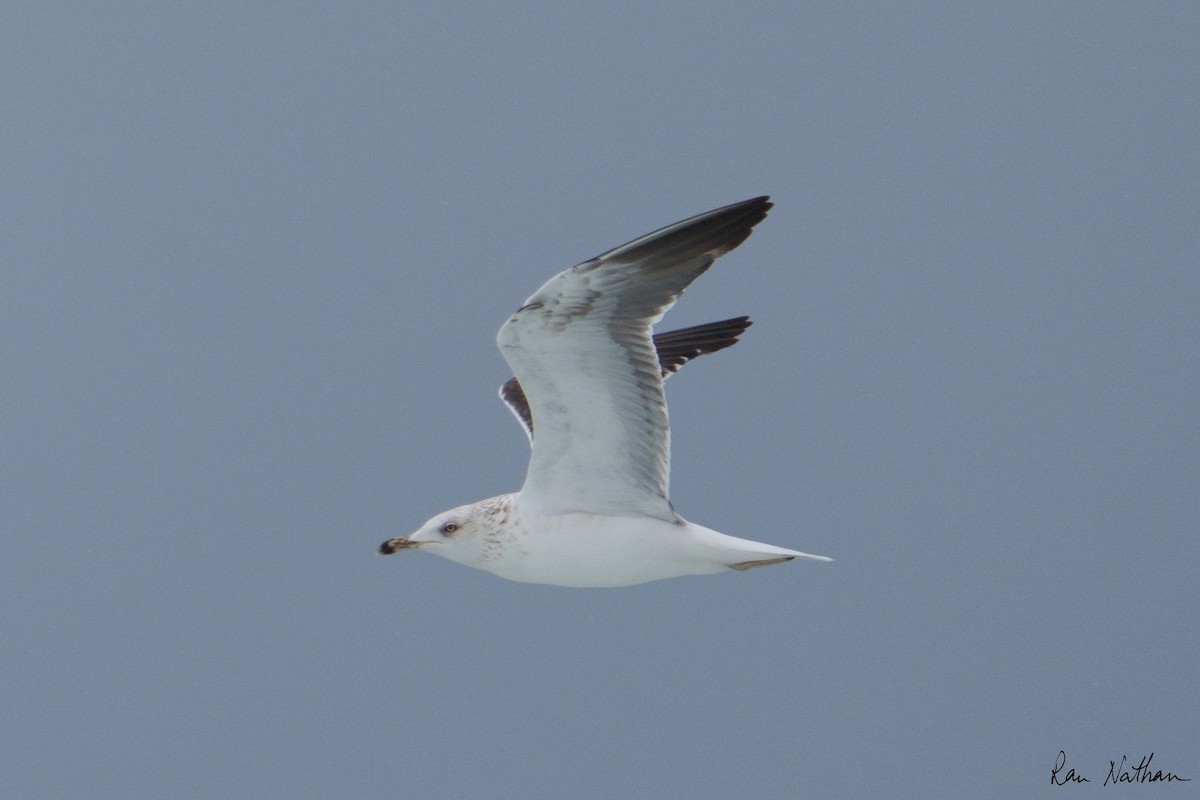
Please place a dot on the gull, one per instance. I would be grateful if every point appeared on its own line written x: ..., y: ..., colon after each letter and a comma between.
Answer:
x: 594, y: 510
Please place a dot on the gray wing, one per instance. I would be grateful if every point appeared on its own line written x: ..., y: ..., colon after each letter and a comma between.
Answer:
x: 674, y: 348
x: 582, y: 350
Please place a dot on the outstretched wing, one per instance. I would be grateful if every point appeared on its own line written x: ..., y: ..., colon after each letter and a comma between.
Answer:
x: 582, y: 350
x: 674, y: 348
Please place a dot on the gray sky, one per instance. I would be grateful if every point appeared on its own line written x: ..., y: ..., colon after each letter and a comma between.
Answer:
x: 254, y: 263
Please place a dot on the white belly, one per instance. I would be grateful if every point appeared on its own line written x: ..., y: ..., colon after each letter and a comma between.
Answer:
x: 584, y: 549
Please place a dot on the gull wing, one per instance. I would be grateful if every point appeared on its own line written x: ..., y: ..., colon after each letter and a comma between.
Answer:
x: 582, y: 350
x: 674, y: 348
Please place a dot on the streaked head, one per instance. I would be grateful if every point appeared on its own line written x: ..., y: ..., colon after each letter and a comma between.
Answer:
x: 459, y: 534
x: 439, y: 530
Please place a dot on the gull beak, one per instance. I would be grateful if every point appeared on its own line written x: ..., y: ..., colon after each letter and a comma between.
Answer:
x: 398, y: 544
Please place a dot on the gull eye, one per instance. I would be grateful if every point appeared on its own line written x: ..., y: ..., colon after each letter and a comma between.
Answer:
x: 449, y: 528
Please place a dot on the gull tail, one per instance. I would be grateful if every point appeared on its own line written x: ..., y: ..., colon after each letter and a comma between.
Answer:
x: 742, y: 566
x: 811, y: 557
x: 744, y: 554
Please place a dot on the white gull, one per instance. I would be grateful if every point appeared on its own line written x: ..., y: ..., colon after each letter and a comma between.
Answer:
x: 594, y: 510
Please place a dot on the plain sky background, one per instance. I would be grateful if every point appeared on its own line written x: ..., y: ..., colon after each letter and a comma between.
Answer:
x: 254, y: 259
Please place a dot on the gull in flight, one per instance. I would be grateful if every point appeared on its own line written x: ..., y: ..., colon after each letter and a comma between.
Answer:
x: 588, y: 389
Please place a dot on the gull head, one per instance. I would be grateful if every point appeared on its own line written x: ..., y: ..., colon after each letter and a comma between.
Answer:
x: 459, y: 534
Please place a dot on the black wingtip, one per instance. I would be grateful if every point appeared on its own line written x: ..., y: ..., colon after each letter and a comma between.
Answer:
x: 761, y: 204
x: 761, y: 200
x: 386, y: 549
x: 714, y: 233
x: 676, y: 348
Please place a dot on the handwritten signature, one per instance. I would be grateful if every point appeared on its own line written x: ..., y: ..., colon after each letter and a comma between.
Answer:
x: 1124, y: 772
